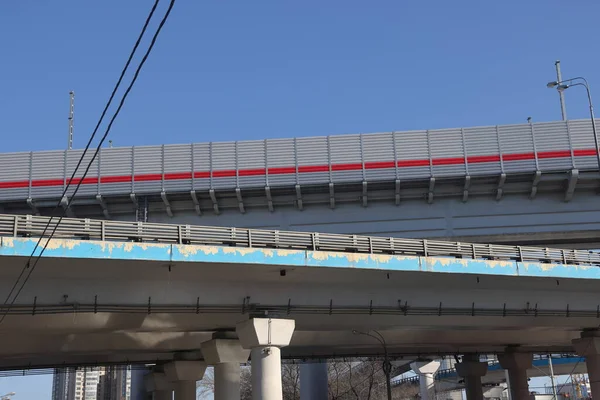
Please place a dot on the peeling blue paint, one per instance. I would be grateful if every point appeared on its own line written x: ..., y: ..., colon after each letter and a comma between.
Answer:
x: 82, y: 249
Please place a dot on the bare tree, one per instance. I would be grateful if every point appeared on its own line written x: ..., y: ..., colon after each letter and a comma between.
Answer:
x: 348, y: 380
x: 206, y: 385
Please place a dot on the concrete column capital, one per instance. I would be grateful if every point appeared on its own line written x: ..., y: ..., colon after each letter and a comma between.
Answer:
x: 218, y: 351
x: 156, y: 382
x: 588, y: 346
x: 177, y: 371
x: 257, y: 332
x: 425, y: 367
x: 469, y: 368
x: 512, y: 360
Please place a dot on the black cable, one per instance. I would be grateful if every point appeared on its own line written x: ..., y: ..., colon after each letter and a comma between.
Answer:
x: 137, y: 43
x: 137, y: 72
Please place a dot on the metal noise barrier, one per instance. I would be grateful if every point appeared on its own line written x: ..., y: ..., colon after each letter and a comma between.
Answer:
x: 89, y: 229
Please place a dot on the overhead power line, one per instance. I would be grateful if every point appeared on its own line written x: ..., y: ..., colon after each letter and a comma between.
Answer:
x: 28, y: 267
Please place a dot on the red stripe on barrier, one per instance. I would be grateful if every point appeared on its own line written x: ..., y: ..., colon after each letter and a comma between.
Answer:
x: 302, y: 169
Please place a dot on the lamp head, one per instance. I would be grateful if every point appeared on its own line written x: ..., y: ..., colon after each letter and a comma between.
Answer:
x: 552, y: 84
x: 562, y: 88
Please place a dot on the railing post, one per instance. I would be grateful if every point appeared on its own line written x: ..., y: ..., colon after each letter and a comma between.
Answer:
x: 370, y: 245
x: 313, y: 238
x: 179, y: 234
x: 564, y: 257
x: 16, y: 226
x: 425, y: 252
x: 249, y: 237
x: 520, y: 253
x: 102, y: 230
x: 474, y: 252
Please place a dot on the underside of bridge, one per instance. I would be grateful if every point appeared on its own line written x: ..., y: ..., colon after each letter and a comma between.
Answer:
x: 77, y: 311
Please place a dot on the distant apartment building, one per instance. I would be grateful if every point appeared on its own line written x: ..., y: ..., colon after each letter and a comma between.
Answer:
x: 110, y: 383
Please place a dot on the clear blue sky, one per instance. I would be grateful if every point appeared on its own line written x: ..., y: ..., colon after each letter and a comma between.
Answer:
x: 271, y: 68
x: 234, y: 70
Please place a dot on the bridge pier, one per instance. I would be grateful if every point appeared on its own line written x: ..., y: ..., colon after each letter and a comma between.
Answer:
x: 157, y: 384
x: 517, y: 365
x: 313, y: 381
x: 225, y: 353
x: 183, y: 375
x: 588, y: 346
x: 425, y: 370
x: 265, y: 337
x: 471, y: 369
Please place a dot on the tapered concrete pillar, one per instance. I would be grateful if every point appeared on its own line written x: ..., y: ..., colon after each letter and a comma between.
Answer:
x: 265, y: 337
x: 225, y: 353
x: 425, y: 370
x: 158, y: 385
x: 313, y: 381
x: 589, y: 347
x: 517, y: 365
x: 183, y: 375
x: 471, y: 369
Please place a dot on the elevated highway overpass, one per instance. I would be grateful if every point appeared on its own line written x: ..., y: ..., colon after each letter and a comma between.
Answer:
x: 147, y: 293
x: 514, y: 184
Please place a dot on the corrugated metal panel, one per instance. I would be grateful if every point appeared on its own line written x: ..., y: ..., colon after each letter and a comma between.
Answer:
x: 582, y: 140
x: 412, y: 150
x: 223, y: 165
x: 14, y: 169
x: 201, y: 162
x: 116, y: 170
x: 379, y: 157
x: 447, y: 152
x: 517, y: 148
x: 48, y: 167
x: 552, y: 144
x: 346, y: 158
x: 281, y: 160
x: 147, y: 169
x: 347, y: 153
x: 177, y: 168
x: 251, y: 163
x: 86, y: 188
x: 313, y: 160
x: 483, y: 152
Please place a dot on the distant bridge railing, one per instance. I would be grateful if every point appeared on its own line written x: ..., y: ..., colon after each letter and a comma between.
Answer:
x: 89, y: 229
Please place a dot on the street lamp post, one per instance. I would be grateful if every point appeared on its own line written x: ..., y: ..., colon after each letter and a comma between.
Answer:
x: 580, y: 81
x: 387, y: 365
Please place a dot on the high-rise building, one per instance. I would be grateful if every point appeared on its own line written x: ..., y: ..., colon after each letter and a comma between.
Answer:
x: 110, y: 383
x: 115, y: 384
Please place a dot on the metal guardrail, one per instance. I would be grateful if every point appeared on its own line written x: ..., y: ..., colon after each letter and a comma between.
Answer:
x: 89, y: 229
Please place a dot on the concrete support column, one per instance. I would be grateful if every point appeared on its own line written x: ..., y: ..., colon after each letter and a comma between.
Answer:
x: 313, y: 381
x: 225, y: 353
x: 265, y: 337
x: 471, y: 369
x: 589, y: 347
x: 162, y: 395
x: 138, y: 388
x: 158, y: 385
x: 517, y: 365
x: 183, y: 375
x: 425, y: 370
x: 185, y: 390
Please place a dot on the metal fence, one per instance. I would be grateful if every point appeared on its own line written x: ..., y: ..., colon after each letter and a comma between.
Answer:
x: 89, y: 229
x: 378, y: 157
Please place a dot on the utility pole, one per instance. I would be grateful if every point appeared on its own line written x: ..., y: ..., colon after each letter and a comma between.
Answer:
x: 561, y: 94
x: 71, y: 116
x: 551, y: 367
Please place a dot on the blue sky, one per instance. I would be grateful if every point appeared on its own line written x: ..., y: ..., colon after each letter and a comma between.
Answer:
x: 234, y: 70
x: 255, y: 69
